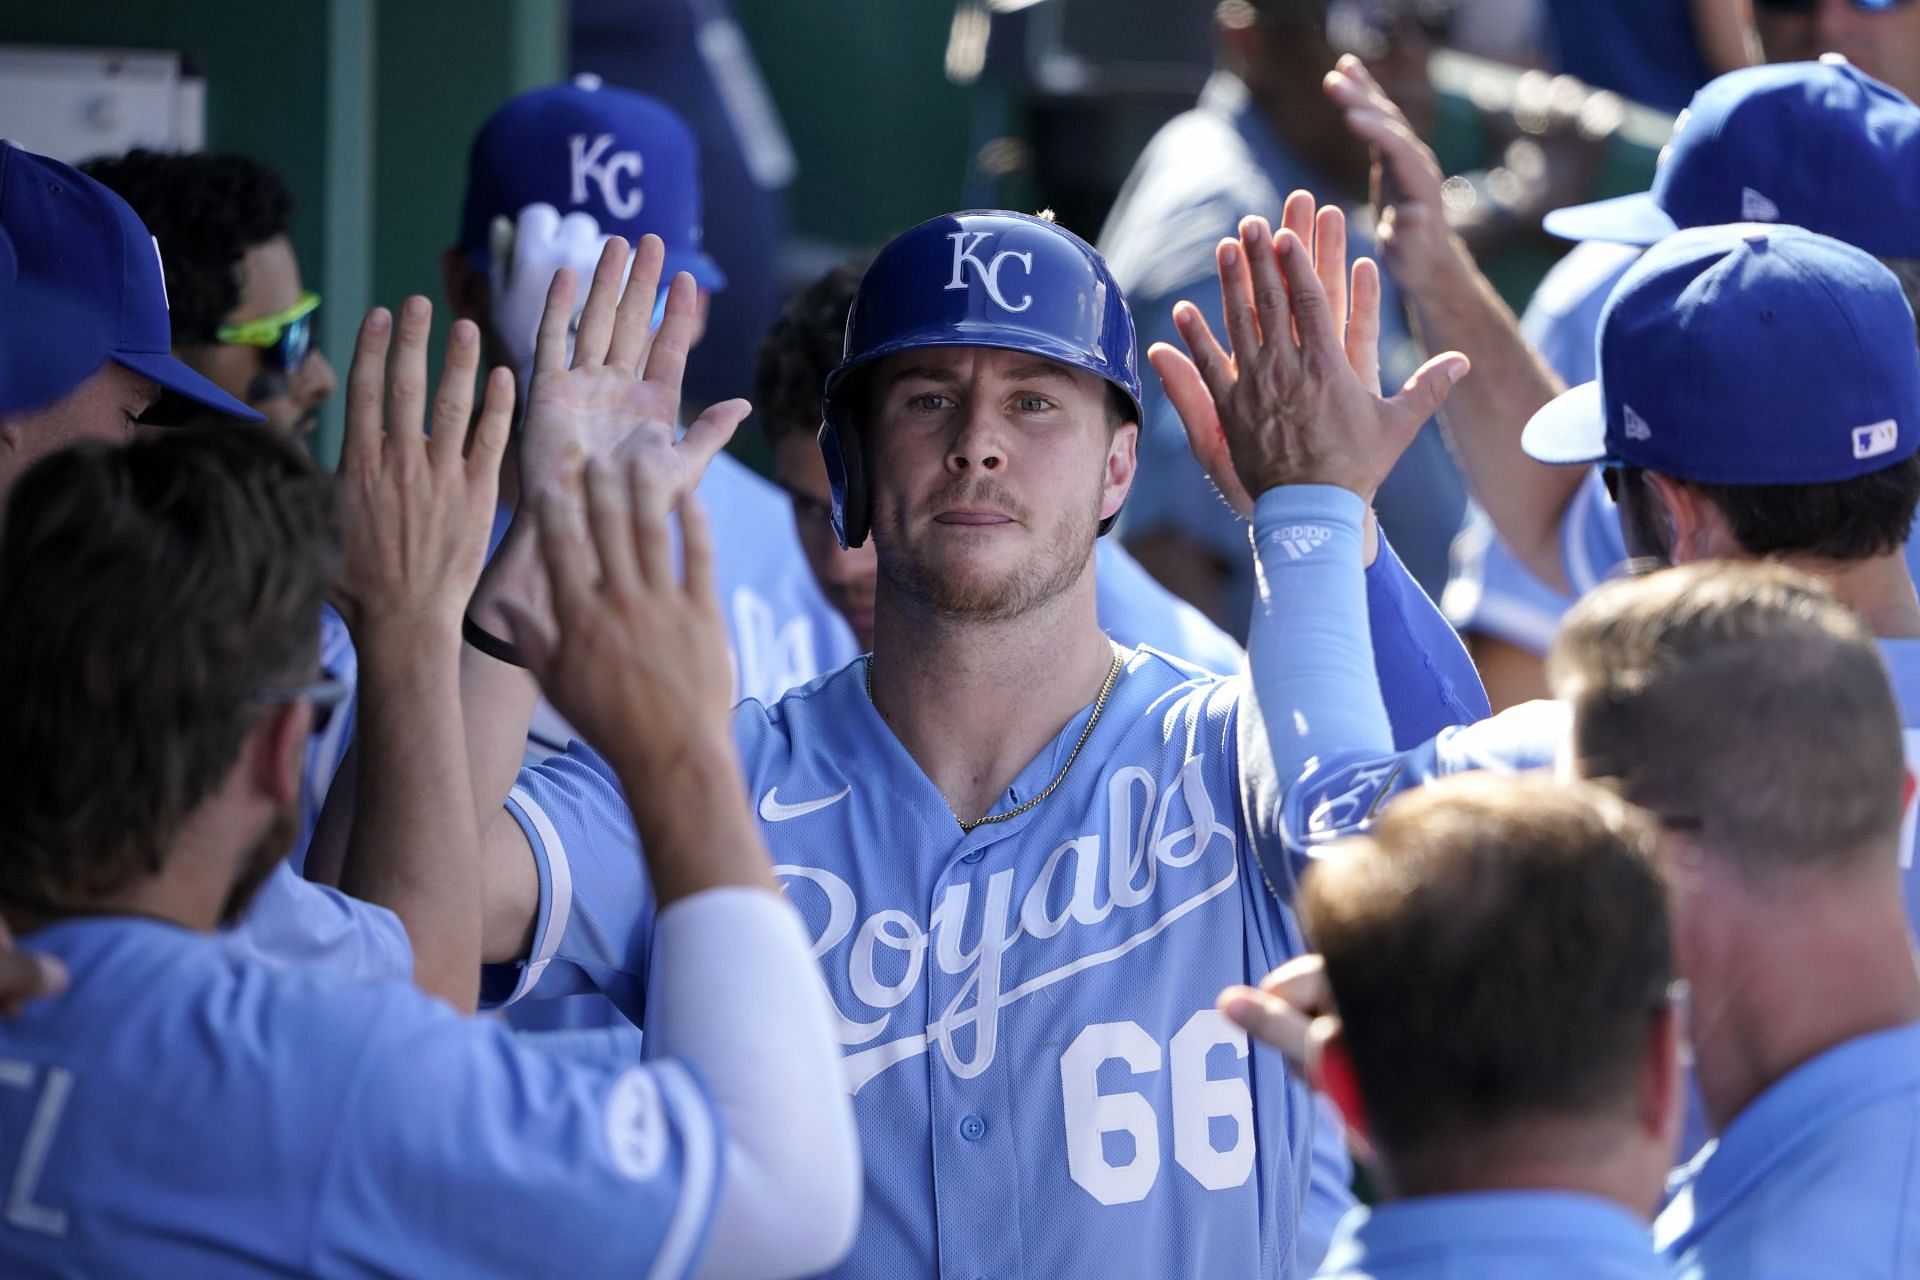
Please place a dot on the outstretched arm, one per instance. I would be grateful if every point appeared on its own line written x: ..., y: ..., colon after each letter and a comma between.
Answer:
x: 416, y: 513
x: 1456, y: 308
x: 1422, y: 668
x: 637, y: 660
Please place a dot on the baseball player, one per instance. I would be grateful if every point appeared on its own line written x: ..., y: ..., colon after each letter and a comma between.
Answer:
x: 1788, y: 808
x: 552, y: 176
x: 1512, y: 938
x: 1023, y: 852
x: 75, y: 239
x: 796, y: 356
x: 185, y: 1111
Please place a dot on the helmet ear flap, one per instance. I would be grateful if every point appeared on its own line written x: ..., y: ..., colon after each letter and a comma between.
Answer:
x: 844, y: 452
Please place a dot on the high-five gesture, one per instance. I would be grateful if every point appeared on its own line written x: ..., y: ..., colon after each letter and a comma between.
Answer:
x: 636, y: 658
x: 622, y: 380
x: 1297, y: 399
x: 416, y: 508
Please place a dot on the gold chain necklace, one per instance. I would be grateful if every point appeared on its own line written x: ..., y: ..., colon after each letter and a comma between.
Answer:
x: 1099, y: 705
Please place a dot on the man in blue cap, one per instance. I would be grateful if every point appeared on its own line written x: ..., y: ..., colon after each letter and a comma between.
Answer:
x: 1818, y: 145
x: 85, y: 349
x: 73, y: 237
x: 552, y: 176
x: 1759, y: 397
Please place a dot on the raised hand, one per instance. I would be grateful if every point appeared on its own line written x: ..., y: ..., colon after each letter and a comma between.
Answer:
x: 1297, y: 400
x: 416, y: 509
x: 1419, y: 248
x: 635, y: 658
x: 1326, y: 231
x: 621, y: 380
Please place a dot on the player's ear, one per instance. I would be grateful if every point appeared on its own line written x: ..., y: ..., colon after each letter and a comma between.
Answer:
x: 1696, y: 527
x: 274, y: 752
x: 1663, y: 1077
x: 1330, y: 1071
x: 1122, y: 462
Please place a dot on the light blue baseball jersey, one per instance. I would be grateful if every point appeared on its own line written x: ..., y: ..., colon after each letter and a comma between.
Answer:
x: 1042, y: 1083
x: 1492, y: 594
x: 1818, y: 1176
x: 1136, y: 610
x: 1506, y: 1235
x: 183, y: 1112
x: 298, y: 924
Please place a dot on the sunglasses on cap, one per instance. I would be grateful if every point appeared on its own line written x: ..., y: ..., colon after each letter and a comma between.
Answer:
x: 1808, y: 6
x: 323, y: 694
x: 285, y: 338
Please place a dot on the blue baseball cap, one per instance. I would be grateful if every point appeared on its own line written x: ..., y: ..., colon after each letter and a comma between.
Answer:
x: 48, y: 344
x: 75, y: 238
x: 1819, y: 145
x: 1746, y: 354
x: 622, y: 157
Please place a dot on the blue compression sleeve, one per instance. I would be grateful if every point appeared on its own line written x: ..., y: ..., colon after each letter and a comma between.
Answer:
x: 1427, y: 680
x: 1309, y: 648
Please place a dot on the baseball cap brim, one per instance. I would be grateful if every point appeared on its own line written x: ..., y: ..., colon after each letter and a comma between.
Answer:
x: 1569, y: 429
x: 1633, y: 219
x: 176, y: 377
x: 705, y: 271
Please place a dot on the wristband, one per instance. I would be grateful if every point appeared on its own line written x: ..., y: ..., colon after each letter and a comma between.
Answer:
x: 488, y: 643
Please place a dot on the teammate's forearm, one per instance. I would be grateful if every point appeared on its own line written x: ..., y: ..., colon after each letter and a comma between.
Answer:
x: 690, y: 808
x: 737, y: 998
x: 413, y: 847
x: 497, y: 697
x: 1309, y: 648
x: 1489, y: 408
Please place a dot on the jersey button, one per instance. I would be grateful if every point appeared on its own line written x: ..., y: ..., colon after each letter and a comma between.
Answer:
x: 974, y: 856
x: 973, y: 1128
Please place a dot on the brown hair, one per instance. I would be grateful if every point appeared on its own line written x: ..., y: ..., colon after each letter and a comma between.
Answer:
x: 1497, y: 948
x: 149, y: 593
x: 1741, y: 702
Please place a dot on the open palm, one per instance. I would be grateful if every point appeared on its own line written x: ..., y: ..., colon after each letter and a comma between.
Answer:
x: 620, y: 390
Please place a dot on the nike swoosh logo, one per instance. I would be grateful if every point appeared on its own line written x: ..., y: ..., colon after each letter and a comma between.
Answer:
x: 772, y: 810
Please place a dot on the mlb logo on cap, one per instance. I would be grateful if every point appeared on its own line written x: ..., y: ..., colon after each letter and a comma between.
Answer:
x: 1746, y: 355
x: 623, y: 158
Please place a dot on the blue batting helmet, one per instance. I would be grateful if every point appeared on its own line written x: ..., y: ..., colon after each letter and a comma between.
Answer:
x: 983, y: 278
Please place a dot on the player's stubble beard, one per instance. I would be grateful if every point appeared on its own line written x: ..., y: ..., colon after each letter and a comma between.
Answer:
x: 1063, y: 550
x: 275, y: 842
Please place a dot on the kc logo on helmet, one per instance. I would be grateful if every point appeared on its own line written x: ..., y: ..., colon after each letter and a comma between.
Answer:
x: 965, y: 245
x: 591, y: 163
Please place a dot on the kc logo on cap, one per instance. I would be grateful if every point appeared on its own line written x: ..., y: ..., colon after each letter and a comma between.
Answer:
x: 591, y: 163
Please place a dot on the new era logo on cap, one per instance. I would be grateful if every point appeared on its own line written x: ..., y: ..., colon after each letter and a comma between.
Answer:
x: 1872, y: 441
x: 1635, y: 426
x: 1755, y: 207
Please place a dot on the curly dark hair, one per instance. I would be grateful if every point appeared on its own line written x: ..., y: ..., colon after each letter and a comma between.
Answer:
x: 802, y: 348
x: 206, y: 211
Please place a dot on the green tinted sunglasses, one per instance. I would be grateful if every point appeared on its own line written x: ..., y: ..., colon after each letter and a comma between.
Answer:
x: 286, y: 337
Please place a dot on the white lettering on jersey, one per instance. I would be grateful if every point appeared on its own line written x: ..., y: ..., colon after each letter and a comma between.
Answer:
x: 771, y: 810
x: 1198, y: 1100
x: 22, y: 1209
x: 964, y: 245
x: 1126, y: 864
x: 591, y: 163
x: 636, y: 1125
x: 772, y: 658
